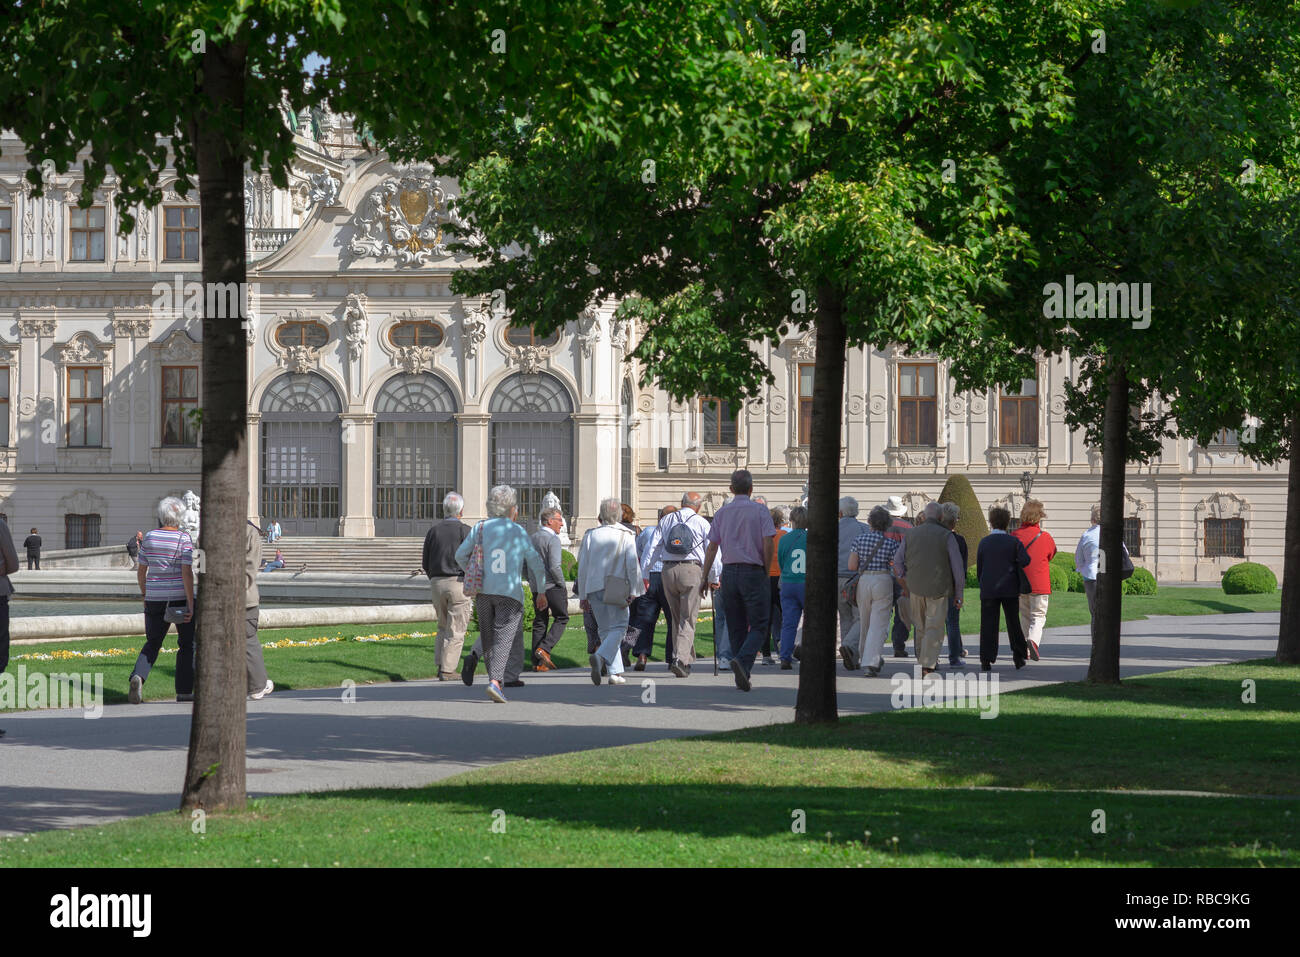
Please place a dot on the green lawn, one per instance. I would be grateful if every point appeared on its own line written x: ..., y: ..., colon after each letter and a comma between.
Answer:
x: 923, y: 777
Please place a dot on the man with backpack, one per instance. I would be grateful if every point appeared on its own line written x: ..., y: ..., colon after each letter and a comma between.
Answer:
x: 680, y: 541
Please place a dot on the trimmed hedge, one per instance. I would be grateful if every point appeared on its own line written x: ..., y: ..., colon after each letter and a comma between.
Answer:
x: 971, y: 523
x: 1141, y: 582
x: 1249, y: 578
x: 570, y: 565
x: 1060, y: 578
x: 971, y: 580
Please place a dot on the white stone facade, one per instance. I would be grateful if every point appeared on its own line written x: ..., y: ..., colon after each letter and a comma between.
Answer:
x: 373, y: 389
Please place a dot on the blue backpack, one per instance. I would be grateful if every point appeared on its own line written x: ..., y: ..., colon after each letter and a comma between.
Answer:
x: 681, y: 540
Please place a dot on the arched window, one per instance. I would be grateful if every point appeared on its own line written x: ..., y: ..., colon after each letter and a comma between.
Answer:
x: 301, y: 455
x: 532, y: 442
x: 415, y: 452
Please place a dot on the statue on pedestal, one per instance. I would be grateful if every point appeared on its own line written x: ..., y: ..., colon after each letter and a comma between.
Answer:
x: 551, y: 500
x: 190, y: 519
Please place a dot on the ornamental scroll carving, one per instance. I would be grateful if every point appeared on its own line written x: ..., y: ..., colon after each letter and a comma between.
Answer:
x: 409, y: 217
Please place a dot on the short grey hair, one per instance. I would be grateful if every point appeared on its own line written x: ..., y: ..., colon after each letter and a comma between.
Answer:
x: 547, y: 515
x: 951, y: 512
x: 692, y: 500
x: 611, y: 510
x: 799, y: 517
x: 932, y: 511
x: 1096, y: 515
x: 778, y: 516
x: 170, y: 511
x: 501, y: 499
x: 849, y: 506
x: 879, y: 518
x: 452, y: 505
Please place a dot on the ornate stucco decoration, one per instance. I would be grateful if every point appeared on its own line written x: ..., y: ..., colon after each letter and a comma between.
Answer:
x: 796, y: 458
x: 300, y: 359
x: 179, y: 347
x: 588, y: 329
x: 529, y: 358
x: 31, y: 328
x: 323, y: 188
x: 413, y: 359
x: 83, y: 350
x: 1008, y: 457
x: 357, y: 321
x: 911, y: 458
x: 916, y: 501
x: 474, y: 327
x: 804, y: 349
x: 618, y: 336
x: 129, y: 328
x: 409, y: 217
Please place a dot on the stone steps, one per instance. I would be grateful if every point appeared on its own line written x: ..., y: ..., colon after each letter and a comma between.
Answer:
x: 369, y: 556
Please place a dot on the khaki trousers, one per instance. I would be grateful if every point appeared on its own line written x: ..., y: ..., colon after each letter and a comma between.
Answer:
x: 930, y: 616
x: 681, y: 583
x: 875, y: 602
x: 1033, y: 613
x: 452, y: 607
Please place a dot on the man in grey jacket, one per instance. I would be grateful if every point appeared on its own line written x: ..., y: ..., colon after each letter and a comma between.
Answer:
x: 549, y: 596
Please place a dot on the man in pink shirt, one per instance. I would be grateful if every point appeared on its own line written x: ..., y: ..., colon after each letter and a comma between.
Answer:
x: 743, y: 531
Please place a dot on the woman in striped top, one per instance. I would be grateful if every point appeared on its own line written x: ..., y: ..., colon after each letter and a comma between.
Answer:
x: 166, y: 577
x: 872, y: 555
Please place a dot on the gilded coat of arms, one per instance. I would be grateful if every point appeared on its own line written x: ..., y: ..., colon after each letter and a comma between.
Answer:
x: 407, y: 217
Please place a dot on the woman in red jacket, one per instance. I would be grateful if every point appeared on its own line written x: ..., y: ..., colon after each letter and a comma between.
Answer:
x: 1041, y: 548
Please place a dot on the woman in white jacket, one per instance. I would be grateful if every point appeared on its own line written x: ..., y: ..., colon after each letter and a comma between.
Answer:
x: 608, y: 567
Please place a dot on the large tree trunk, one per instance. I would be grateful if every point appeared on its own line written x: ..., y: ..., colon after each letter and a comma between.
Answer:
x: 816, y: 701
x: 1288, y: 635
x: 1104, y: 667
x: 214, y: 777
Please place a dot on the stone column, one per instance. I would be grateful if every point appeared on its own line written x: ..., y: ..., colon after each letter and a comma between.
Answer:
x: 254, y: 446
x: 596, y: 459
x: 357, y: 507
x: 474, y: 441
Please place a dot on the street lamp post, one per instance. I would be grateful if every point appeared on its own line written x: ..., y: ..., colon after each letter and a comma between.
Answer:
x: 1027, y: 482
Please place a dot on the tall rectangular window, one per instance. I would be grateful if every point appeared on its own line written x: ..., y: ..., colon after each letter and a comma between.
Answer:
x: 6, y: 234
x: 4, y: 407
x: 1225, y: 538
x: 85, y: 406
x: 180, y: 390
x: 86, y: 234
x: 918, y: 411
x: 805, y: 402
x: 719, y: 425
x: 1018, y: 414
x: 1133, y: 536
x: 181, y: 233
x: 81, y: 531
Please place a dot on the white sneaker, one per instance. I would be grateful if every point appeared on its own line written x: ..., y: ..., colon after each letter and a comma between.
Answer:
x: 135, y: 694
x: 259, y: 695
x: 617, y: 680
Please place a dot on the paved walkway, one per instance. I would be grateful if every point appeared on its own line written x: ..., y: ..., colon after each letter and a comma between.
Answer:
x: 59, y: 770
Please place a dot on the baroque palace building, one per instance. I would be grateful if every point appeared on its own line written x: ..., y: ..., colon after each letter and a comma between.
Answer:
x: 374, y: 391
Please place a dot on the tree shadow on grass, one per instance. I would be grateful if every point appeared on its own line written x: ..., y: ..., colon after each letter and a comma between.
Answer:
x: 651, y: 823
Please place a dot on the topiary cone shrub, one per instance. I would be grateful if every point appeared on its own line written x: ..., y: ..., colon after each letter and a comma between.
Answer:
x: 971, y: 523
x: 1249, y: 578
